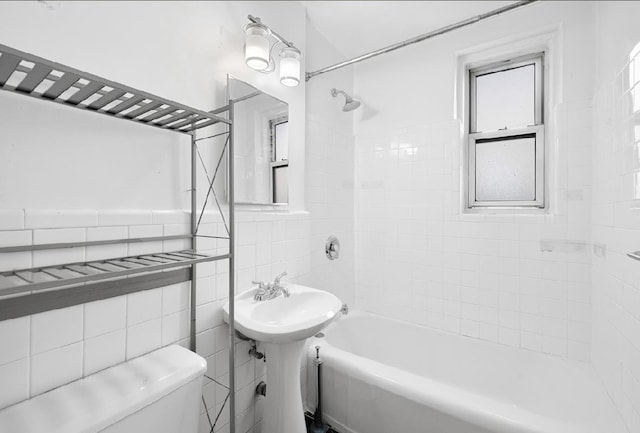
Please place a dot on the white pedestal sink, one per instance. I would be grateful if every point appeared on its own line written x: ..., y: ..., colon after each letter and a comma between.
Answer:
x: 283, y: 324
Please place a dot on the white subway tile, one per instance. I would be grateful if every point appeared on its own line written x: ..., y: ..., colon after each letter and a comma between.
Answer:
x: 56, y: 328
x: 102, y: 252
x: 124, y: 217
x: 11, y: 219
x: 206, y: 343
x: 175, y: 298
x: 56, y: 367
x: 14, y: 378
x: 170, y: 217
x: 101, y: 317
x: 54, y: 218
x: 209, y: 316
x: 14, y: 339
x: 15, y: 238
x: 144, y: 306
x: 104, y: 351
x: 206, y: 290
x: 144, y: 338
x: 175, y: 327
x: 145, y: 231
x: 58, y: 256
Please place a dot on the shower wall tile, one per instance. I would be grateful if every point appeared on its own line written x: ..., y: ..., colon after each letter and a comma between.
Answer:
x: 615, y: 217
x: 330, y: 200
x: 501, y: 278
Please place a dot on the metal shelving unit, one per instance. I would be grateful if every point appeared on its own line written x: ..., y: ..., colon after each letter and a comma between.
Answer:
x: 28, y: 291
x: 35, y: 279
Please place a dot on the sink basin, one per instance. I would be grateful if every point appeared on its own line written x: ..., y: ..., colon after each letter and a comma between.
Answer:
x: 282, y: 320
x: 283, y: 324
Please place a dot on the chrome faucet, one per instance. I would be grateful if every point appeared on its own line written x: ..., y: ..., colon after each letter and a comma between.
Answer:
x: 271, y: 290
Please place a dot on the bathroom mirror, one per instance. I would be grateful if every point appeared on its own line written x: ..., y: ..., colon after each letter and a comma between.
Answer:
x: 261, y: 145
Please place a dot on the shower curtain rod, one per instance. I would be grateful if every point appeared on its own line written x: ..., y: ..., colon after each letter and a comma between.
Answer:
x: 420, y: 38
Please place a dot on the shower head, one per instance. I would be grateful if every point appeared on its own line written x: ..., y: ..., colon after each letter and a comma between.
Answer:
x: 350, y: 104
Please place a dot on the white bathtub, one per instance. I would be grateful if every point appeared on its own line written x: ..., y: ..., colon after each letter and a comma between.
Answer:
x: 387, y: 376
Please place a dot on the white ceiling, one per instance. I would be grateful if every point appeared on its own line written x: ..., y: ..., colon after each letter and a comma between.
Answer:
x: 357, y: 27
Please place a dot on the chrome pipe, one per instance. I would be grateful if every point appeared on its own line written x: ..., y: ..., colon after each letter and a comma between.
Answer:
x: 420, y: 38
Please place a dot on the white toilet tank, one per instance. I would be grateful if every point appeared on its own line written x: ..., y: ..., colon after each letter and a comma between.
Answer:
x: 155, y: 393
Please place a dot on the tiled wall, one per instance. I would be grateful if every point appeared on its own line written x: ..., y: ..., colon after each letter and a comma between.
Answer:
x: 50, y: 349
x: 616, y: 208
x: 330, y: 200
x: 520, y: 280
x: 267, y: 245
x: 330, y: 170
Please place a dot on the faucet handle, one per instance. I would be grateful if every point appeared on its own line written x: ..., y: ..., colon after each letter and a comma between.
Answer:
x: 277, y: 279
x: 261, y: 284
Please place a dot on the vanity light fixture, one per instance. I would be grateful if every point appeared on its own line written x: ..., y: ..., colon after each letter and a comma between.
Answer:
x: 258, y: 52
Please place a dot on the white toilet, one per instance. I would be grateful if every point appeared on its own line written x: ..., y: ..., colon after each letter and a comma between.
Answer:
x: 155, y: 393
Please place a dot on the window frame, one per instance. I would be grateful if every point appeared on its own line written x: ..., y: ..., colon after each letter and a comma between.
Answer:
x: 273, y: 164
x: 537, y: 131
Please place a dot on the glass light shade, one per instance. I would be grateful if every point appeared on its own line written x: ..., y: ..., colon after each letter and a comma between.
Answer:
x: 290, y: 66
x: 256, y: 46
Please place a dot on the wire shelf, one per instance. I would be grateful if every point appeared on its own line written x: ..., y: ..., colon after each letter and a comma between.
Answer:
x: 37, y: 279
x: 34, y: 76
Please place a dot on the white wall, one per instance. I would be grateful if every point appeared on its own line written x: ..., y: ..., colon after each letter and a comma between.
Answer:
x: 178, y: 50
x: 71, y: 176
x: 484, y: 276
x: 616, y: 202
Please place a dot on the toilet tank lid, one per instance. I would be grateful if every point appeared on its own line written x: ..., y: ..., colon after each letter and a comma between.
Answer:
x: 101, y: 399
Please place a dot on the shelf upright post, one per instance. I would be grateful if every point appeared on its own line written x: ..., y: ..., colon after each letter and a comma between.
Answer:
x: 194, y: 275
x: 232, y: 256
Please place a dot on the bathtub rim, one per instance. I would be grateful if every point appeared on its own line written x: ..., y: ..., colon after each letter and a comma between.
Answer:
x: 521, y: 418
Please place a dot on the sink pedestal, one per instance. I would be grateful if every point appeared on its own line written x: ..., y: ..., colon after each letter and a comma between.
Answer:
x: 283, y: 406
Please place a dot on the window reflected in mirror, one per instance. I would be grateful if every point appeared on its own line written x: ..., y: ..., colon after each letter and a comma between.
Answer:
x: 261, y: 144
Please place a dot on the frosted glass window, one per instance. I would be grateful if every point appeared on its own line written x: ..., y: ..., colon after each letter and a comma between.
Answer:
x: 280, y: 184
x: 505, y: 99
x: 506, y: 151
x: 281, y: 141
x: 506, y: 169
